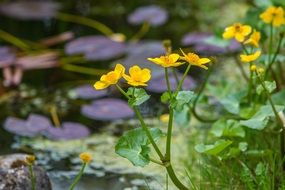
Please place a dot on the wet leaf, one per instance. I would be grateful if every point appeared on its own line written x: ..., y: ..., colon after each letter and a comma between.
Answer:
x: 133, y: 145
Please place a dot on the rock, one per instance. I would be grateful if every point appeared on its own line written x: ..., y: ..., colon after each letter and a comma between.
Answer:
x: 14, y: 174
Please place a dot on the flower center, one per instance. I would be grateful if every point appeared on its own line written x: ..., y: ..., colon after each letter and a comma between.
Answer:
x: 193, y: 58
x: 238, y: 28
x: 166, y: 59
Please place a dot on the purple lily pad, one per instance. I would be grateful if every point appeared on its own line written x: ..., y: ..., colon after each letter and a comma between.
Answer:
x: 37, y: 123
x: 88, y: 92
x: 30, y: 10
x: 18, y: 127
x: 139, y: 52
x: 194, y: 38
x: 158, y: 84
x: 152, y: 14
x: 107, y: 109
x: 68, y: 131
x: 199, y: 42
x: 95, y: 48
x: 7, y: 57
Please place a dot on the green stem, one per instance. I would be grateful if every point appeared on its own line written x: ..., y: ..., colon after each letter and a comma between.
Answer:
x: 167, y: 81
x: 194, y: 112
x: 78, y: 177
x: 82, y: 70
x: 249, y: 94
x: 174, y: 178
x: 146, y: 130
x: 182, y: 80
x: 143, y: 30
x: 85, y: 21
x: 279, y: 120
x: 269, y: 68
x: 169, y: 135
x: 122, y: 91
x: 13, y: 40
x: 270, y: 43
x: 32, y: 177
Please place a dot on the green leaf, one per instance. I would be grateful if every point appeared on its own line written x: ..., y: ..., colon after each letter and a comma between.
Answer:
x: 182, y: 117
x: 270, y: 86
x: 133, y: 145
x: 138, y: 96
x: 243, y: 146
x: 260, y: 119
x: 165, y: 97
x: 227, y: 128
x: 213, y: 149
x: 262, y: 3
x: 232, y: 102
x: 182, y: 98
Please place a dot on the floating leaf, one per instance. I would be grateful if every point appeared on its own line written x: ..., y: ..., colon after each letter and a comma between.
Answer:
x: 87, y: 92
x: 260, y: 119
x: 133, y: 145
x: 107, y: 109
x: 213, y: 149
x: 154, y: 15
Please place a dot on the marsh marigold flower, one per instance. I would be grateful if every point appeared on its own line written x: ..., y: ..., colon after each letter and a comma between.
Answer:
x: 30, y: 159
x: 253, y: 67
x: 110, y: 78
x: 254, y: 39
x: 85, y: 157
x: 138, y: 76
x: 237, y: 31
x: 273, y: 15
x: 250, y: 57
x: 194, y: 59
x: 167, y: 60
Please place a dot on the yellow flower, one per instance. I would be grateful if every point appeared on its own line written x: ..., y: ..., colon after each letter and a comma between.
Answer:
x: 167, y: 61
x: 253, y: 67
x: 194, y: 59
x: 138, y: 76
x: 254, y: 39
x: 251, y: 57
x: 164, y: 118
x: 85, y: 157
x: 110, y: 78
x: 30, y: 159
x: 273, y: 15
x: 260, y: 70
x: 237, y: 31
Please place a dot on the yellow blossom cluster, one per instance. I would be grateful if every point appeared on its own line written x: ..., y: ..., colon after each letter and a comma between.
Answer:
x: 139, y: 77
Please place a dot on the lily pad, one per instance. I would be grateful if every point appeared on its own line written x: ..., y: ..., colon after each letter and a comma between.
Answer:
x: 95, y: 47
x: 158, y: 84
x: 30, y: 10
x: 87, y: 92
x: 67, y: 131
x: 107, y: 109
x: 154, y: 15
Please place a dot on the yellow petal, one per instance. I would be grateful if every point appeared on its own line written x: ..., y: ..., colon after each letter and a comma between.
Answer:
x: 229, y: 33
x: 246, y: 30
x: 145, y: 75
x: 204, y: 60
x: 120, y: 69
x: 99, y: 85
x: 156, y: 60
x: 239, y: 37
x: 134, y: 70
x: 174, y: 57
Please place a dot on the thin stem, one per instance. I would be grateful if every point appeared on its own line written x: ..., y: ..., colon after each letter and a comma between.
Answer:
x: 143, y: 30
x: 54, y: 116
x: 32, y: 176
x: 156, y: 161
x: 169, y: 135
x: 197, y: 116
x: 13, y: 40
x: 85, y: 21
x: 269, y: 68
x: 122, y: 91
x: 249, y: 94
x: 78, y: 177
x: 167, y: 81
x: 175, y: 76
x: 146, y: 130
x: 270, y: 43
x: 182, y: 80
x: 174, y: 178
x: 279, y: 120
x: 83, y: 70
x: 241, y: 68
